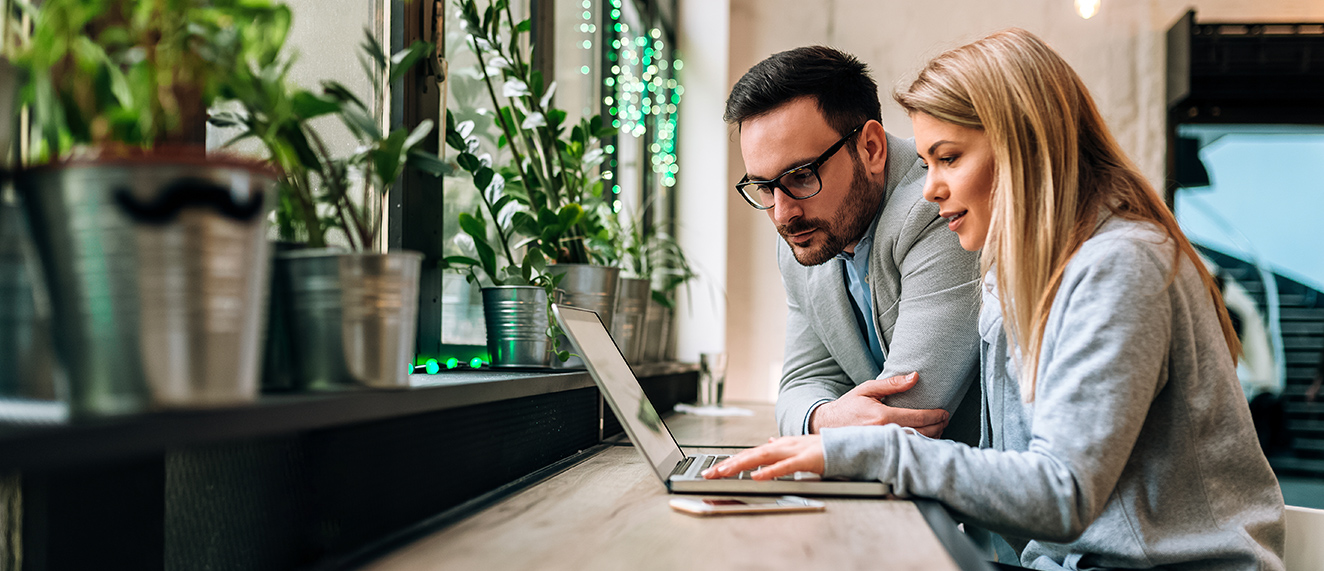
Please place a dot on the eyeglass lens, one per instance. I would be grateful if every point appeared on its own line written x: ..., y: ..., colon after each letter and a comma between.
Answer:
x: 800, y: 183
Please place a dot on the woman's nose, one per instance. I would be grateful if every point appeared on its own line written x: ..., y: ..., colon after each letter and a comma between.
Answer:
x: 934, y: 191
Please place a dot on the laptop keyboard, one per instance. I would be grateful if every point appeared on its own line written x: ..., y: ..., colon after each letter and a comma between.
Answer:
x: 683, y: 467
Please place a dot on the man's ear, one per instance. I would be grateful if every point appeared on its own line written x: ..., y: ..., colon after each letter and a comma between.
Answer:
x: 872, y: 147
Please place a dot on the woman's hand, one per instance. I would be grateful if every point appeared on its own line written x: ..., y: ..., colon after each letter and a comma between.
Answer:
x: 779, y: 457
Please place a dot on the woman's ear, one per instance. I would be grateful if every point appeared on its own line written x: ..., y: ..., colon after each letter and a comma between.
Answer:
x: 872, y: 147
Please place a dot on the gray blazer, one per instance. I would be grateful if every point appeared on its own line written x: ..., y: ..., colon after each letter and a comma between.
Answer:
x: 926, y: 308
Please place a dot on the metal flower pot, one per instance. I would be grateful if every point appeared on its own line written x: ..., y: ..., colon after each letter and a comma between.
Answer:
x: 516, y: 319
x: 627, y: 329
x: 278, y: 373
x: 26, y: 356
x: 156, y: 268
x: 657, y: 331
x: 588, y: 287
x: 352, y: 316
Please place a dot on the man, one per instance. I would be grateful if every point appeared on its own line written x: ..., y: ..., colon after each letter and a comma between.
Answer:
x: 876, y: 287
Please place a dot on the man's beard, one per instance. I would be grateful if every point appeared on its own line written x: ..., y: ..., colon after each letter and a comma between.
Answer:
x: 848, y: 223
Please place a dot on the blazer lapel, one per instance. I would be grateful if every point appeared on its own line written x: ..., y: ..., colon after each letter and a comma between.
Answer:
x: 836, y: 322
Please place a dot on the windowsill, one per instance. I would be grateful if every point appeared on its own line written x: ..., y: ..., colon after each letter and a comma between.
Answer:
x: 56, y: 443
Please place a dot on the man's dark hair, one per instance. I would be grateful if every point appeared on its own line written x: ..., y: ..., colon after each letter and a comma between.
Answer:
x: 838, y: 81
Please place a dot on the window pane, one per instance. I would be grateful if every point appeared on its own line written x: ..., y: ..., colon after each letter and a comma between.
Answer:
x: 467, y: 100
x: 324, y: 42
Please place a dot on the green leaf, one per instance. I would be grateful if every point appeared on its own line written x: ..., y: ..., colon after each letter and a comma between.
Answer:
x: 570, y: 214
x: 546, y: 217
x: 468, y: 162
x: 360, y: 123
x: 427, y: 162
x: 338, y: 91
x: 524, y: 25
x: 555, y: 117
x: 482, y: 178
x: 416, y: 136
x: 488, y: 257
x: 551, y: 233
x: 307, y: 105
x: 474, y: 227
x: 523, y: 223
x: 405, y: 59
x: 387, y: 157
x: 373, y: 48
x: 453, y: 261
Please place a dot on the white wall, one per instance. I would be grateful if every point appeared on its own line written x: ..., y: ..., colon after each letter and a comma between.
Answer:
x: 701, y: 208
x: 1120, y: 53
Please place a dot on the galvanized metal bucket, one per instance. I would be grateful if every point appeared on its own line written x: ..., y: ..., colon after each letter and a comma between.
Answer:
x: 632, y: 295
x: 27, y: 369
x: 588, y: 287
x: 352, y: 316
x: 657, y: 331
x: 278, y: 374
x: 516, y: 319
x: 156, y: 269
x: 380, y: 316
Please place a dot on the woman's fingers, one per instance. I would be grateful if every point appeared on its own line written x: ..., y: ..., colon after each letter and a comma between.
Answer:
x: 788, y: 466
x: 780, y: 457
x: 746, y: 460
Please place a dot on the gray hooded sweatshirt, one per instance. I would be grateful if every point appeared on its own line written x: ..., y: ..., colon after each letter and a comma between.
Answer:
x: 1138, y: 450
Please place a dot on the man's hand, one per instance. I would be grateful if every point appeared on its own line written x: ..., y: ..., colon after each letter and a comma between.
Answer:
x: 863, y: 406
x: 779, y: 457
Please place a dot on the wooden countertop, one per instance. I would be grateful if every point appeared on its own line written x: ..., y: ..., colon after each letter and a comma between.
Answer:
x: 610, y: 512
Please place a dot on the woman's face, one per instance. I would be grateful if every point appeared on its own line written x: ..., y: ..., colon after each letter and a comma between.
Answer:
x: 960, y: 164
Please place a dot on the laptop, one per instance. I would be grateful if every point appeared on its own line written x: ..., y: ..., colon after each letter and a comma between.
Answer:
x: 678, y: 471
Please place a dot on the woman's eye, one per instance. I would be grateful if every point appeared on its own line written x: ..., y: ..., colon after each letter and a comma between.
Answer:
x: 948, y: 160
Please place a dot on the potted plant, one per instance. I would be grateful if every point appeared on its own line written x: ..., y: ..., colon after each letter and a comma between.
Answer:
x: 153, y: 253
x: 353, y: 313
x: 546, y: 196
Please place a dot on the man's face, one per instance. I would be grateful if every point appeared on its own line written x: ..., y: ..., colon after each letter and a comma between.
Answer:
x: 824, y: 225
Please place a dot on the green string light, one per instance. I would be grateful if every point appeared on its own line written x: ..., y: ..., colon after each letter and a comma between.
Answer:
x: 476, y: 363
x: 432, y: 367
x: 452, y: 363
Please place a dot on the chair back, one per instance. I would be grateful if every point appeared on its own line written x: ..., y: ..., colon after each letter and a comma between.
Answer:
x: 1305, y: 539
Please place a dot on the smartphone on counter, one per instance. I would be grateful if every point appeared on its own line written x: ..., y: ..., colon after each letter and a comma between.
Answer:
x: 750, y: 505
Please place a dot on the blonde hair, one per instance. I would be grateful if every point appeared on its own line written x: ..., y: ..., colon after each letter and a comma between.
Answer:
x: 1056, y: 166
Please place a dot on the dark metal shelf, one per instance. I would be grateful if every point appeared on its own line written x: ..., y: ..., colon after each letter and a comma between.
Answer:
x: 62, y: 443
x: 26, y: 446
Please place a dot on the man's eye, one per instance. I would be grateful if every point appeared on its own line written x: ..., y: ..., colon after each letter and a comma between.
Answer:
x: 801, y: 177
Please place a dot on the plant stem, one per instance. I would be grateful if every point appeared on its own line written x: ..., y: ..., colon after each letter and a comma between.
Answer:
x: 341, y: 193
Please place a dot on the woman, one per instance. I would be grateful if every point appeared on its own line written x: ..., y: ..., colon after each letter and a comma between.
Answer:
x: 1115, y: 432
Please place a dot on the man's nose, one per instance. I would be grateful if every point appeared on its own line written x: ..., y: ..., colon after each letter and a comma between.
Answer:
x: 785, y: 208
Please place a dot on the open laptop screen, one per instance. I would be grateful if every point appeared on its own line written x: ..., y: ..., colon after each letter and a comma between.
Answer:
x: 620, y: 388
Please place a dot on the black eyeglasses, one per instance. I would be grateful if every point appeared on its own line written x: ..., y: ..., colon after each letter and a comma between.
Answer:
x: 799, y: 183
